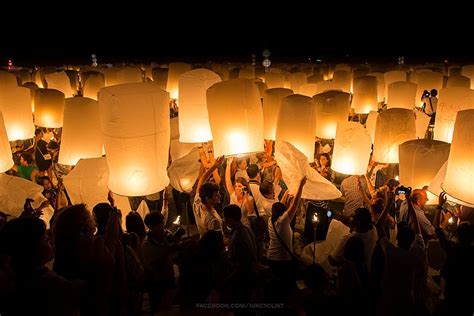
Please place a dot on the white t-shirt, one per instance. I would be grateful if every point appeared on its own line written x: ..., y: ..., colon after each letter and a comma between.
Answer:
x: 243, y: 208
x: 276, y: 251
x: 205, y: 220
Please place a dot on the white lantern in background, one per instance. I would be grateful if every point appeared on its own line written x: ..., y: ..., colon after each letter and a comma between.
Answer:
x: 468, y: 71
x: 343, y: 67
x: 420, y: 160
x: 393, y: 127
x: 49, y: 108
x: 59, y: 81
x: 32, y: 87
x: 193, y: 117
x: 451, y: 100
x: 160, y: 77
x: 370, y: 124
x: 351, y: 149
x: 261, y: 87
x: 274, y: 80
x: 324, y: 86
x: 342, y: 80
x: 136, y: 142
x: 380, y: 85
x: 297, y: 79
x: 111, y: 76
x: 6, y: 161
x: 296, y: 124
x: 401, y: 94
x: 7, y: 80
x: 15, y: 103
x: 93, y: 84
x: 315, y: 78
x: 393, y: 76
x: 236, y: 117
x: 459, y: 180
x: 184, y: 172
x: 81, y: 136
x: 129, y: 75
x: 271, y: 107
x: 174, y: 71
x: 365, y: 95
x: 246, y: 73
x: 309, y: 89
x: 422, y: 121
x: 458, y: 81
x: 332, y: 107
x: 428, y: 81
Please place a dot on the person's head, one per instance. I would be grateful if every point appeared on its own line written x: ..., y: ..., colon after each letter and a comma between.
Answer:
x: 354, y: 250
x: 253, y: 172
x: 45, y: 182
x: 26, y: 159
x: 434, y: 92
x: 241, y: 163
x: 73, y: 224
x: 278, y: 209
x: 267, y: 189
x: 405, y: 235
x: 155, y: 222
x: 26, y: 241
x: 324, y: 160
x: 211, y: 244
x: 209, y: 193
x: 465, y: 233
x: 240, y: 186
x: 362, y: 220
x: 419, y: 197
x: 134, y: 224
x: 53, y: 147
x: 39, y: 133
x: 232, y: 215
x: 101, y: 216
x: 392, y: 184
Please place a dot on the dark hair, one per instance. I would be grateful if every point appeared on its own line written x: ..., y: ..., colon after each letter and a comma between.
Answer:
x: 207, y: 191
x: 101, y: 216
x: 378, y: 206
x: 278, y: 209
x: 38, y: 131
x: 354, y: 250
x: 52, y: 145
x: 252, y: 171
x: 27, y: 157
x: 134, y: 224
x: 211, y: 244
x: 434, y: 92
x: 405, y: 235
x: 327, y: 157
x: 233, y: 211
x: 41, y: 180
x: 266, y: 187
x: 392, y: 183
x: 242, y: 181
x: 362, y: 218
x: 154, y: 218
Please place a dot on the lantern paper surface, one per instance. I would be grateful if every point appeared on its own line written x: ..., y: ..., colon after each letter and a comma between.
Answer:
x: 49, y: 108
x: 324, y: 86
x: 393, y: 127
x: 459, y: 180
x: 296, y: 124
x: 271, y: 107
x: 380, y: 85
x: 59, y: 81
x: 15, y: 103
x: 129, y: 75
x: 393, y: 76
x: 309, y: 89
x: 342, y: 80
x: 184, y: 172
x: 6, y: 161
x: 193, y: 116
x: 179, y: 150
x: 316, y: 78
x: 274, y: 80
x: 160, y: 77
x: 468, y: 71
x: 297, y: 80
x: 365, y: 95
x: 401, y: 94
x: 136, y: 142
x: 81, y: 131
x: 451, y: 100
x: 332, y: 107
x: 235, y: 117
x: 7, y: 80
x: 370, y: 124
x: 459, y: 82
x: 93, y: 84
x: 174, y: 71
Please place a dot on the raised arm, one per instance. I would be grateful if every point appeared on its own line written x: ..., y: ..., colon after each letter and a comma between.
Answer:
x: 294, y: 203
x: 362, y: 193
x: 228, y: 181
x: 208, y: 173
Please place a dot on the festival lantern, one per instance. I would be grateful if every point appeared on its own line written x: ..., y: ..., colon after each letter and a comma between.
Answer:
x: 271, y: 107
x: 59, y: 81
x: 49, y: 108
x: 15, y: 103
x: 365, y: 95
x: 6, y: 160
x: 459, y: 82
x: 401, y: 94
x: 274, y: 80
x: 297, y: 79
x: 174, y: 71
x: 393, y: 76
x: 332, y: 107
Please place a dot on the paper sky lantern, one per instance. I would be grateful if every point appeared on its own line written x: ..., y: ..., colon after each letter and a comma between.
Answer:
x: 32, y: 86
x: 428, y: 81
x: 401, y: 94
x: 81, y: 137
x: 352, y: 149
x: 49, y: 108
x: 420, y: 161
x: 422, y: 121
x: 468, y: 71
x: 451, y: 100
x: 59, y: 81
x: 365, y: 95
x: 296, y: 124
x: 193, y: 117
x: 370, y: 124
x: 309, y: 89
x: 246, y: 73
x: 342, y: 80
x: 459, y: 81
x: 261, y: 87
x: 136, y: 142
x: 184, y: 172
x: 393, y: 127
x: 23, y: 75
x: 236, y: 117
x: 297, y: 80
x: 93, y: 84
x: 15, y: 103
x: 160, y: 76
x: 435, y: 186
x: 459, y: 180
x: 324, y: 86
x: 380, y: 85
x: 332, y: 107
x: 174, y: 71
x: 393, y: 76
x: 129, y: 75
x: 6, y: 161
x: 274, y: 80
x: 111, y: 76
x: 7, y: 80
x: 342, y: 67
x: 315, y: 78
x: 454, y: 70
x: 271, y: 107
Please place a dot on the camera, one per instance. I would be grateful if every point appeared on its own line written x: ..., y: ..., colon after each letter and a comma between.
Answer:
x: 403, y: 190
x: 426, y: 94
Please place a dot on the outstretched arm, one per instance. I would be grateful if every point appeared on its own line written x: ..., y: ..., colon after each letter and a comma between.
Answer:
x: 208, y: 173
x: 294, y: 203
x: 228, y: 181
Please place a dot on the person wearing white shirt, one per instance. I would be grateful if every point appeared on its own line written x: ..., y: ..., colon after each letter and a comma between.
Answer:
x: 418, y: 199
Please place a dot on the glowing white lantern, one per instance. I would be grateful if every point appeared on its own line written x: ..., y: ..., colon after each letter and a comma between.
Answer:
x: 309, y: 89
x: 365, y: 95
x: 324, y: 86
x: 236, y: 117
x: 274, y: 80
x: 246, y: 73
x: 342, y: 80
x: 401, y: 94
x: 393, y: 76
x: 451, y: 100
x: 81, y: 131
x: 49, y: 108
x: 394, y: 127
x: 15, y: 103
x: 59, y: 81
x: 422, y: 122
x: 23, y: 75
x: 315, y: 78
x: 435, y: 186
x: 468, y: 71
x: 342, y: 67
x: 193, y: 117
x: 7, y: 80
x: 129, y: 75
x: 370, y: 124
x: 93, y: 84
x: 332, y: 107
x: 174, y: 71
x: 184, y: 172
x: 6, y: 161
x: 459, y: 180
x: 136, y: 142
x: 160, y: 77
x: 351, y: 149
x: 261, y: 88
x: 111, y: 76
x: 297, y: 123
x: 380, y: 85
x: 271, y: 107
x: 459, y: 81
x: 428, y: 81
x: 297, y: 80
x: 420, y: 160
